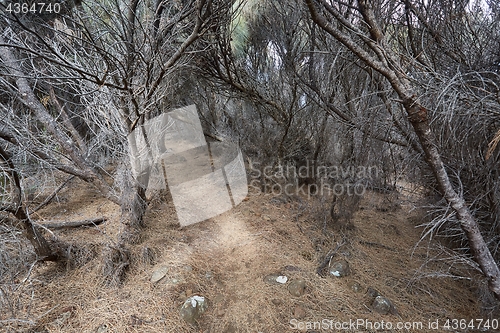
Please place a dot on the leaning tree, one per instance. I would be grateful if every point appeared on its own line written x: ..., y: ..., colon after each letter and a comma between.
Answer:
x: 427, y: 35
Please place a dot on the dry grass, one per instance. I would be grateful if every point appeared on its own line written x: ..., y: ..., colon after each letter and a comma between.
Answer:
x: 493, y: 144
x: 225, y: 260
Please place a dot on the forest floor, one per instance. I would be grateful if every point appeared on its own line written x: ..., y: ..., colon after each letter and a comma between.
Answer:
x: 226, y: 259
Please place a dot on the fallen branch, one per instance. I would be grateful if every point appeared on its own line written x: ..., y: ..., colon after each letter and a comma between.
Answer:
x: 50, y: 197
x: 74, y: 224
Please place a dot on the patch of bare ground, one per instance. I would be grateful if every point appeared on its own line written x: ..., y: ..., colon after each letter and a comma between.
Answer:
x: 226, y: 258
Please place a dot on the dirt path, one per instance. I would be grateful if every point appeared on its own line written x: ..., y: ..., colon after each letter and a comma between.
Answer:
x: 226, y: 259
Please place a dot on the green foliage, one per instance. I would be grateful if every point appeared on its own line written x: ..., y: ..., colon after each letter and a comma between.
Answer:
x: 246, y: 12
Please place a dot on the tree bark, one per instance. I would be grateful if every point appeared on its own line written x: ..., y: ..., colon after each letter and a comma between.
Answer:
x: 479, y: 248
x: 133, y: 207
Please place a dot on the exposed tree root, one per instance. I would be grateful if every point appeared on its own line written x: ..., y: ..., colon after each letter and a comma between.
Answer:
x: 116, y: 262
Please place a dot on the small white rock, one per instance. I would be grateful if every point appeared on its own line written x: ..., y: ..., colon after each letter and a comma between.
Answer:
x: 281, y: 279
x: 197, y: 299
